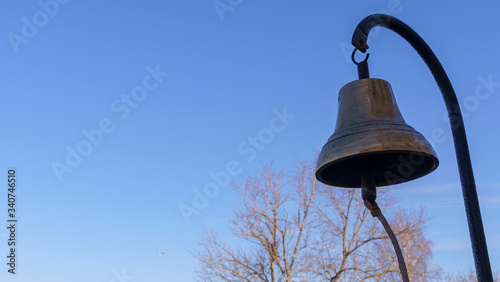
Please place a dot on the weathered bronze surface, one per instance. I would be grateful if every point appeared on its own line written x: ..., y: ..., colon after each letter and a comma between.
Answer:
x: 372, y: 135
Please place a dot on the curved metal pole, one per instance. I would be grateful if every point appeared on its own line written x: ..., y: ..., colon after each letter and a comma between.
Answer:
x: 476, y: 230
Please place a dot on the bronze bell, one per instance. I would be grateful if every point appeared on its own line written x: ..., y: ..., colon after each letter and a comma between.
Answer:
x: 372, y: 137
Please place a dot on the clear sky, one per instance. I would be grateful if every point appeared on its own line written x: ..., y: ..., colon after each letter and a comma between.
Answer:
x: 115, y: 113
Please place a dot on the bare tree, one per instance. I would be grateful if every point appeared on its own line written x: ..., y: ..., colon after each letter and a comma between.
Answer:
x: 293, y: 228
x: 355, y: 247
x: 272, y: 220
x: 470, y: 276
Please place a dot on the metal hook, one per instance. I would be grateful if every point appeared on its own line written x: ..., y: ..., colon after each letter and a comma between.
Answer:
x: 354, y: 61
x: 362, y: 66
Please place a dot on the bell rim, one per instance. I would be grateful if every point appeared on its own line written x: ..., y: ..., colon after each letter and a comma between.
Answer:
x: 320, y: 169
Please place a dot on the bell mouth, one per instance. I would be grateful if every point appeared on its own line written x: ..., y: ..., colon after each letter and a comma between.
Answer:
x: 392, y: 154
x: 388, y: 168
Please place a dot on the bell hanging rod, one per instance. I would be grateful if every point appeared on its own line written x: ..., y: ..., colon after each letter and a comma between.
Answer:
x: 362, y: 66
x: 476, y: 230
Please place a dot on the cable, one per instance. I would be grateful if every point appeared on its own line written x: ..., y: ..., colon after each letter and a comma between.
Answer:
x: 376, y: 212
x: 369, y: 194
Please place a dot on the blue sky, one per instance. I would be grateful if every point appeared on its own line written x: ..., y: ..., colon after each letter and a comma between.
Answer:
x: 157, y: 96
